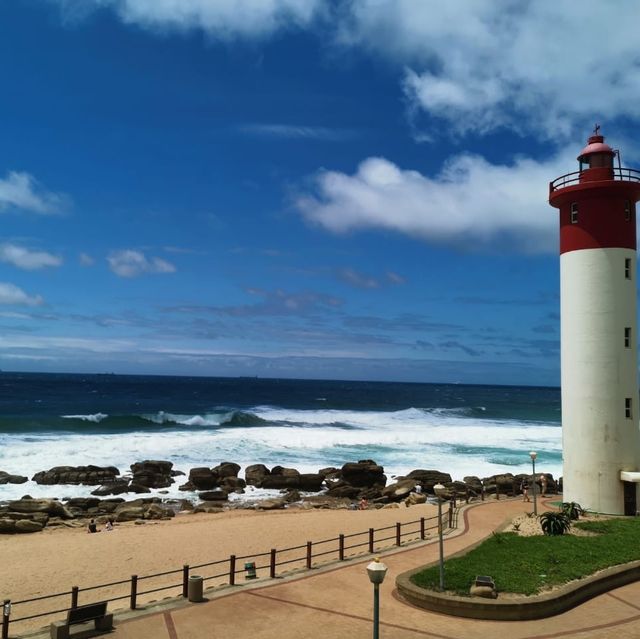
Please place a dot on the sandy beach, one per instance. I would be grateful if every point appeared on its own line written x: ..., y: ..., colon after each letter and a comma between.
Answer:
x: 55, y: 560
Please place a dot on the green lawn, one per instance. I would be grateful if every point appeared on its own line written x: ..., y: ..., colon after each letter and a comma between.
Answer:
x: 527, y: 565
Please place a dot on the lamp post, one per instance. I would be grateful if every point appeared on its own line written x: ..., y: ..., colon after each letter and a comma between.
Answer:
x: 533, y: 456
x: 439, y: 489
x: 376, y: 571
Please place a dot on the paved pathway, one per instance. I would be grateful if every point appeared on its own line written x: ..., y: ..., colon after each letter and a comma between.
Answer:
x: 337, y: 603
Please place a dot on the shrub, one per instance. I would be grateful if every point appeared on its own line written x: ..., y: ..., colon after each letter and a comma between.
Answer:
x: 554, y: 523
x: 572, y: 510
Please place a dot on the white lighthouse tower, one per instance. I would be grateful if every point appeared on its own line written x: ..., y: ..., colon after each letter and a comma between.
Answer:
x: 600, y: 401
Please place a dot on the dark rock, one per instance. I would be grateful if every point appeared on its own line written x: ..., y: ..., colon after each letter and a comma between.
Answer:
x: 255, y: 473
x: 226, y: 469
x: 281, y: 471
x: 86, y: 475
x: 429, y: 478
x: 291, y: 496
x: 82, y: 503
x: 214, y: 495
x: 8, y: 478
x: 115, y: 488
x: 137, y: 487
x: 365, y: 473
x: 473, y: 482
x: 271, y: 504
x: 231, y: 484
x: 28, y: 526
x: 202, y: 479
x: 344, y: 491
x: 400, y: 490
x: 50, y: 506
x: 152, y: 473
x: 330, y: 473
x: 188, y: 486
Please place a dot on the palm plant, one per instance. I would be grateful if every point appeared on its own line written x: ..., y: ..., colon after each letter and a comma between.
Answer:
x: 572, y: 509
x: 555, y: 523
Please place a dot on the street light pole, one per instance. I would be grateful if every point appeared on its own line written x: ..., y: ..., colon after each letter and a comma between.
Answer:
x: 438, y: 490
x: 533, y: 456
x: 376, y: 571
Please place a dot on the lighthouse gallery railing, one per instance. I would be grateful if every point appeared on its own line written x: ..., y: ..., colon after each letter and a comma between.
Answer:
x: 619, y: 173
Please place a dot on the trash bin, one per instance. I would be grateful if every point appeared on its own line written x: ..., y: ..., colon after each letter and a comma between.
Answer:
x: 195, y: 588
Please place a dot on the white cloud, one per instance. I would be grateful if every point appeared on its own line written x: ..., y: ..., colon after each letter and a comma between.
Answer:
x: 85, y: 259
x: 26, y: 259
x: 479, y: 65
x: 221, y: 19
x: 22, y: 191
x: 471, y: 203
x: 129, y: 263
x: 296, y: 131
x: 10, y: 294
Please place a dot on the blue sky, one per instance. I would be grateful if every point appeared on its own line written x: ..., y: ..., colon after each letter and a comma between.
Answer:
x: 297, y: 188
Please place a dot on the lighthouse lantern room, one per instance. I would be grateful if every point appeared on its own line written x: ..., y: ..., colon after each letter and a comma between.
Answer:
x: 599, y: 371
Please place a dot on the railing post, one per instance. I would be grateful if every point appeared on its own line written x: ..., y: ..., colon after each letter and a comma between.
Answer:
x: 232, y: 570
x: 466, y: 495
x: 309, y: 555
x: 272, y: 566
x: 185, y: 580
x: 422, y: 535
x: 341, y: 547
x: 6, y: 613
x: 134, y: 592
x: 451, y: 504
x: 74, y: 596
x: 482, y: 492
x: 372, y: 532
x: 398, y: 534
x: 497, y: 492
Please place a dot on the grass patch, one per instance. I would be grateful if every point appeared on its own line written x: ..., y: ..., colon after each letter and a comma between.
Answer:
x: 527, y: 565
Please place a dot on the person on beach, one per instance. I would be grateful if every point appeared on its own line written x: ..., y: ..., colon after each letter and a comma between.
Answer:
x: 92, y: 527
x: 109, y: 525
x: 524, y: 487
x: 364, y: 503
x: 543, y: 485
x: 418, y: 489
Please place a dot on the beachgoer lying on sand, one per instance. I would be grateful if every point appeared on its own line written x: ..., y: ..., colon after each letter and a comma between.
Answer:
x: 92, y: 527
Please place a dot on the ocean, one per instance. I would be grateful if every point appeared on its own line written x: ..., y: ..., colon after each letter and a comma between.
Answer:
x: 51, y: 420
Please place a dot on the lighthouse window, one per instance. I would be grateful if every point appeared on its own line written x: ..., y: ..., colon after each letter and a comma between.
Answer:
x: 627, y: 407
x: 574, y: 213
x: 627, y: 268
x: 627, y: 337
x: 627, y: 210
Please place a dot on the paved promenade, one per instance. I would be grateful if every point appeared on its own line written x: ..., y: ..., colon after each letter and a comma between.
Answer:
x: 336, y: 602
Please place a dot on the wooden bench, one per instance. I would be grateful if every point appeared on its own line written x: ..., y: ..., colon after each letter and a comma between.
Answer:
x: 96, y: 612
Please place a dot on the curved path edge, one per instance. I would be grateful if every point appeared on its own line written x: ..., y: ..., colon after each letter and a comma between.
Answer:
x: 519, y: 608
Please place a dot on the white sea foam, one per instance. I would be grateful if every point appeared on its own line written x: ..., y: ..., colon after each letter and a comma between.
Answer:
x: 96, y: 418
x: 304, y: 439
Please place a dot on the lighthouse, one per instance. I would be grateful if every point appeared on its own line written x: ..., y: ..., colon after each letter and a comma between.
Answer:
x: 599, y: 371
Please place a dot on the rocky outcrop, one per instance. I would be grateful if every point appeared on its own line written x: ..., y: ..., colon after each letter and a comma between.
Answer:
x: 87, y: 475
x: 255, y: 473
x: 9, y: 526
x: 214, y: 495
x: 222, y: 475
x: 365, y: 473
x: 145, y: 508
x: 116, y: 488
x: 400, y: 490
x: 8, y: 478
x: 152, y: 474
x: 51, y: 507
x: 429, y: 478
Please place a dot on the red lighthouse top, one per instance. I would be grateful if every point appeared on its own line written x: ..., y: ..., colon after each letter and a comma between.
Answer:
x: 597, y: 203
